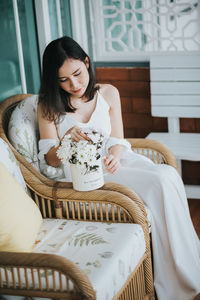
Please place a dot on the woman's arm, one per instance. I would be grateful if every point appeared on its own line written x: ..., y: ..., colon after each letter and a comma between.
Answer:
x: 48, y: 130
x: 111, y: 95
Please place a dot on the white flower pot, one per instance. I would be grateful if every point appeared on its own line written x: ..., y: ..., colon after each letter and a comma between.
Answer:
x: 86, y: 181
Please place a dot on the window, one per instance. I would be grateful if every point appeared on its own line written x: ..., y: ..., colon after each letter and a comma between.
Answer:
x: 124, y: 29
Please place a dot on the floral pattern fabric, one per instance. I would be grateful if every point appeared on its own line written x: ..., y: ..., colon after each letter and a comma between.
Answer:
x: 8, y: 159
x: 23, y: 129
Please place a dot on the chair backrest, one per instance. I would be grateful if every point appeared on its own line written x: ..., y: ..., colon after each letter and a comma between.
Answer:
x: 23, y: 129
x: 8, y: 159
x: 175, y: 86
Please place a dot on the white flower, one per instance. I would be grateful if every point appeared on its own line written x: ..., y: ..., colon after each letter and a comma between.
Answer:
x: 63, y: 153
x: 91, y: 149
x: 81, y: 157
x: 95, y: 138
x: 82, y: 144
x: 84, y: 153
x: 91, y: 160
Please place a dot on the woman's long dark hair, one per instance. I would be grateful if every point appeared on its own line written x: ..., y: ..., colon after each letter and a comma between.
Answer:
x: 53, y: 99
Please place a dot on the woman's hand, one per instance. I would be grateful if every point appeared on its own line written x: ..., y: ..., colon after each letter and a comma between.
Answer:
x: 77, y: 134
x: 112, y: 164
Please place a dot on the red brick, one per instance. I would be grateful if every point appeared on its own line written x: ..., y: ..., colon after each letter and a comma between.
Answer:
x: 140, y: 74
x: 187, y: 125
x: 159, y: 124
x: 133, y: 120
x: 190, y: 172
x: 104, y: 74
x: 141, y: 105
x: 126, y: 104
x: 132, y: 89
x: 197, y: 125
x: 136, y: 132
x: 122, y: 74
x: 142, y: 132
x: 129, y: 132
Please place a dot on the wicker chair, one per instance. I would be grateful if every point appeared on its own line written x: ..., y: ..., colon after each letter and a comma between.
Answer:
x: 112, y: 203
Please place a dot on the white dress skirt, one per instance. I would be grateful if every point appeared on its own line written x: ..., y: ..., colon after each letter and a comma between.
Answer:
x: 176, y: 247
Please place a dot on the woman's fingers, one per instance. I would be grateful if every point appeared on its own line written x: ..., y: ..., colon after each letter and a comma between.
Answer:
x: 112, y: 164
x: 108, y: 160
x: 77, y: 134
x: 83, y: 135
x: 115, y: 167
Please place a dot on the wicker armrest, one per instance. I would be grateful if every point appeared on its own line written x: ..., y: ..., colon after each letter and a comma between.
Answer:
x: 46, y: 263
x: 157, y: 151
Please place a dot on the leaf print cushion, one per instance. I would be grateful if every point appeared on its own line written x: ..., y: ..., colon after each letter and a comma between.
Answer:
x: 23, y: 129
x: 8, y: 159
x: 96, y: 250
x: 115, y: 255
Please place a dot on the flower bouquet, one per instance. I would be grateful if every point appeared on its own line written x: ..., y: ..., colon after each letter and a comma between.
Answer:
x: 85, y: 161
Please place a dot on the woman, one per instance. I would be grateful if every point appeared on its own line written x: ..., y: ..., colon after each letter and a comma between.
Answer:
x: 70, y: 102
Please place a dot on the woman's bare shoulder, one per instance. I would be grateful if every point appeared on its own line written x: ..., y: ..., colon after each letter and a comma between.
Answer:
x: 109, y: 92
x: 41, y: 117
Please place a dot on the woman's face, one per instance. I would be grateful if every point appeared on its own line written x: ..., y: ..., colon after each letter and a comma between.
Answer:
x: 73, y: 76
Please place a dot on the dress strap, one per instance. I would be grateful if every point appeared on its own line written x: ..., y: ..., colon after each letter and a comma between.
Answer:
x: 102, y: 100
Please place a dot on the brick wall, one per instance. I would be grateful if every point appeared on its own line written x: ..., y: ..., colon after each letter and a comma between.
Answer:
x: 134, y: 88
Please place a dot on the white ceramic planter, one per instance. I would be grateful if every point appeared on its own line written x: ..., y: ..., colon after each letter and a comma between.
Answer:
x: 87, y: 181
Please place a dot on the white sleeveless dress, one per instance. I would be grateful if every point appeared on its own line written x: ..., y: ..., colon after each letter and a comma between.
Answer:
x: 176, y: 247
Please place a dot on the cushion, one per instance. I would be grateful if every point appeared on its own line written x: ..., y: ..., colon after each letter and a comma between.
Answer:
x: 8, y: 159
x: 111, y: 249
x: 23, y: 129
x: 20, y: 218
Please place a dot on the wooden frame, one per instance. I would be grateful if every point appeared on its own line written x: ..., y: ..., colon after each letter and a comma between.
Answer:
x: 111, y: 203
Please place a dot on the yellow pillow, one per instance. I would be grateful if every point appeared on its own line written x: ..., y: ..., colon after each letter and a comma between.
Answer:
x: 20, y: 218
